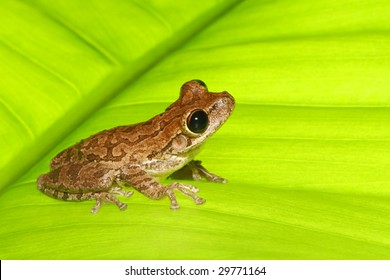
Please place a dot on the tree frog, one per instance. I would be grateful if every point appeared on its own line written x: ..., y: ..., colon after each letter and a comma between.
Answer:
x: 142, y: 155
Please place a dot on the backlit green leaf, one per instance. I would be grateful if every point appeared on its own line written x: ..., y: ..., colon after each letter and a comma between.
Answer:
x: 306, y: 151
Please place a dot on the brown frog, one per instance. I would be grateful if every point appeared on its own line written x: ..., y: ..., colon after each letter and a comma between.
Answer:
x: 141, y: 155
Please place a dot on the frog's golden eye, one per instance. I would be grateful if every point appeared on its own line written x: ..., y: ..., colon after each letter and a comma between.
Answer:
x: 200, y: 82
x: 197, y: 121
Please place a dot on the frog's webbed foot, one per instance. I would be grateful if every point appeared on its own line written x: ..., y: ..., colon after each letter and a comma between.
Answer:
x: 185, y: 189
x: 199, y: 172
x: 110, y: 198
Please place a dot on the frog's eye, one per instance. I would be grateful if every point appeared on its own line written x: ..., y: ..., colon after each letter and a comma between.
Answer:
x: 197, y: 121
x: 201, y: 83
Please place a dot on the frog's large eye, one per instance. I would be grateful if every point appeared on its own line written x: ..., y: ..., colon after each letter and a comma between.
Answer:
x: 197, y: 121
x: 201, y: 83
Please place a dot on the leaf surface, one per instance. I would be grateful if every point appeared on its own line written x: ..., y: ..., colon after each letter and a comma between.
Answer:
x: 306, y: 150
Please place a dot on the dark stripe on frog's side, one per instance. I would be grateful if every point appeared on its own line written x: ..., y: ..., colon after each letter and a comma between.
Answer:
x: 46, y: 181
x: 66, y: 196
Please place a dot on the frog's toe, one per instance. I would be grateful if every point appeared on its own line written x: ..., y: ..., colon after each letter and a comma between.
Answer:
x: 220, y: 180
x: 187, y: 187
x: 200, y: 200
x: 119, y: 191
x: 193, y: 189
x: 172, y: 198
x: 122, y: 206
x: 127, y: 193
x: 190, y: 191
x: 97, y: 206
x: 175, y: 206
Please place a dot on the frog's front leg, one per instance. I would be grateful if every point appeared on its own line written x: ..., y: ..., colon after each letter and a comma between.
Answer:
x: 147, y: 185
x: 196, y: 171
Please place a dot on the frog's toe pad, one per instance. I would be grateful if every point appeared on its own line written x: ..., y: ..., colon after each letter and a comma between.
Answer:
x: 127, y: 193
x: 122, y: 206
x: 220, y: 180
x: 96, y: 208
x: 200, y: 200
x: 175, y: 206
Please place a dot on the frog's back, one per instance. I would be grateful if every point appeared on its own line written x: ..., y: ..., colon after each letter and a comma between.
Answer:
x: 94, y: 148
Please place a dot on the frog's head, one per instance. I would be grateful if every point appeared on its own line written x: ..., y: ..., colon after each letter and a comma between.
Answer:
x: 201, y: 114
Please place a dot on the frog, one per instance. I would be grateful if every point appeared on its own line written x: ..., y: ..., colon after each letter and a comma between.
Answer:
x: 140, y: 156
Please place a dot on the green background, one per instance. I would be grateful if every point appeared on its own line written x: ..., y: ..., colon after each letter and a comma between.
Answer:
x: 306, y: 151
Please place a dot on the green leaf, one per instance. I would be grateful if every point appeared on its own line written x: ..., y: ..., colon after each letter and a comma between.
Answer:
x: 306, y: 151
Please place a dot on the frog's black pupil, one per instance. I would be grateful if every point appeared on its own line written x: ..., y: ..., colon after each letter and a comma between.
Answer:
x: 198, y: 121
x: 200, y: 82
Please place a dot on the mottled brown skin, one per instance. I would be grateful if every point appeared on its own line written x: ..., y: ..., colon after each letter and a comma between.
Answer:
x: 141, y: 155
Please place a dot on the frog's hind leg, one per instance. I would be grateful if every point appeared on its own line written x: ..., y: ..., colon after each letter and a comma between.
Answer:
x: 110, y: 197
x: 54, y: 190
